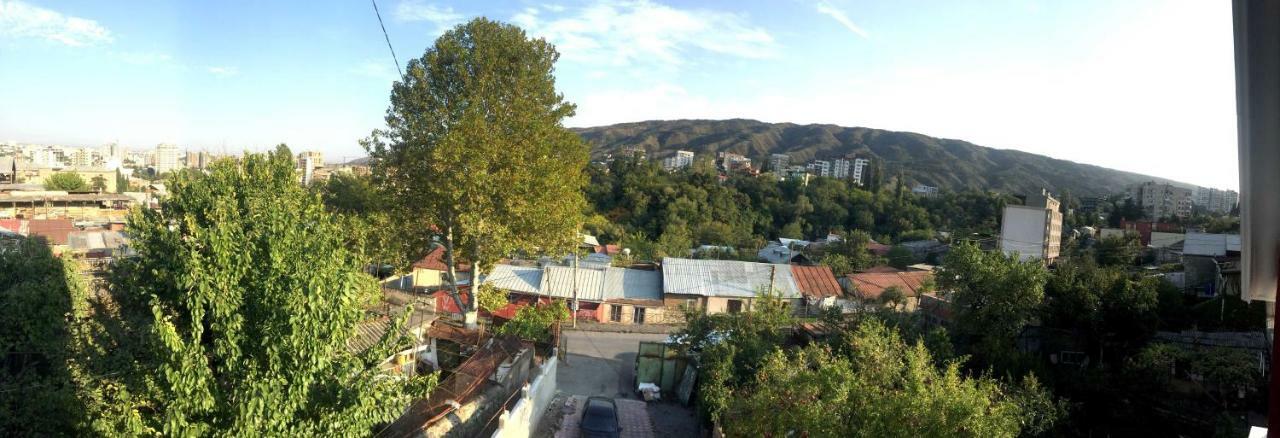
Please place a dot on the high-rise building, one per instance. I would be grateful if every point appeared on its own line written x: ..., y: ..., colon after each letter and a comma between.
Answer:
x: 166, y: 158
x: 1032, y: 231
x: 819, y: 167
x: 840, y: 168
x: 680, y: 160
x: 859, y: 172
x: 1161, y: 200
x: 779, y: 162
x: 1214, y: 200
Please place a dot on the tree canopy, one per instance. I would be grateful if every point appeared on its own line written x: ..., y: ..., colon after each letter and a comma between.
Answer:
x: 475, y: 148
x: 252, y: 296
x: 65, y: 181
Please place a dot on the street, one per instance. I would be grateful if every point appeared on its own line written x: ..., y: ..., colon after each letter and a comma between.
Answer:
x: 603, y: 364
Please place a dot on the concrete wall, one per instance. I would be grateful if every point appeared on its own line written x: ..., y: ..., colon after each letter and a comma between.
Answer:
x: 522, y: 420
x: 427, y: 278
x: 1023, y: 230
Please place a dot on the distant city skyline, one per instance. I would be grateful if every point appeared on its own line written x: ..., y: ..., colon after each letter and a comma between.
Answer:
x: 1144, y: 86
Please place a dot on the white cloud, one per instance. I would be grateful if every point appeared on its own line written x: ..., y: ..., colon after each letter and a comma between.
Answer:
x: 418, y: 10
x: 22, y: 20
x: 826, y: 9
x: 625, y: 33
x: 223, y: 71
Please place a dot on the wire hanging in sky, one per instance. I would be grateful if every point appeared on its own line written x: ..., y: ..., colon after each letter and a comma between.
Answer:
x: 385, y: 36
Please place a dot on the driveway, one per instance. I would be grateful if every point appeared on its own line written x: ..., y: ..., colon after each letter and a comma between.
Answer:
x: 603, y: 364
x: 633, y: 418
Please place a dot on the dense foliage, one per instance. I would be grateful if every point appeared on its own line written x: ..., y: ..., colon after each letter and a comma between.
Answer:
x: 535, y: 322
x: 679, y: 210
x: 252, y: 296
x: 994, y: 296
x: 475, y: 149
x: 40, y: 298
x: 65, y: 181
x: 866, y: 380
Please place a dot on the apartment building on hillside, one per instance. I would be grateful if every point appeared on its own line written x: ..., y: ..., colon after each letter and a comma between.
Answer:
x: 1162, y: 200
x: 1032, y: 231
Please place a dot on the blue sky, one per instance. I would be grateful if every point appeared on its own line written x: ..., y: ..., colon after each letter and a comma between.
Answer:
x: 1145, y: 86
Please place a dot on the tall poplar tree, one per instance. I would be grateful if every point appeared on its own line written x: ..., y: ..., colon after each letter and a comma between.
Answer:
x: 475, y: 150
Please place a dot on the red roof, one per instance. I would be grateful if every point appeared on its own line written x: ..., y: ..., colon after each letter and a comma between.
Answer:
x: 869, y: 285
x: 434, y: 261
x: 815, y: 281
x: 609, y: 249
x: 55, y: 230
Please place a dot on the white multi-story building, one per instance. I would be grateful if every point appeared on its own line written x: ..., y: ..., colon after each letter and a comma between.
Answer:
x: 1032, y: 231
x: 819, y: 168
x: 680, y: 160
x: 1162, y: 200
x: 1214, y: 200
x: 840, y: 168
x: 860, y: 170
x: 166, y: 158
x: 779, y: 162
x: 923, y: 190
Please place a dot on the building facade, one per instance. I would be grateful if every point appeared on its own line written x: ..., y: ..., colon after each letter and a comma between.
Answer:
x: 1032, y: 231
x: 1214, y: 200
x: 1162, y: 200
x: 819, y: 168
x: 779, y: 162
x: 860, y: 170
x: 166, y: 159
x: 680, y: 160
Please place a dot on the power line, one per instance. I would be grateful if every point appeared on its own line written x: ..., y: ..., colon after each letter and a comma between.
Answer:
x: 385, y: 36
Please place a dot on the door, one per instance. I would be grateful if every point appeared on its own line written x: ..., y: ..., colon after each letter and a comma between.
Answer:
x: 735, y: 306
x: 638, y: 317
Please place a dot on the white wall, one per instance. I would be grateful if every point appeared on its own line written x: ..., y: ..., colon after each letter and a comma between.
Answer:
x: 1023, y: 231
x: 522, y: 419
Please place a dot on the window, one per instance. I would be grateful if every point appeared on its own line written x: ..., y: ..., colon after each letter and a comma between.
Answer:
x: 638, y: 318
x: 615, y: 314
x: 735, y: 306
x: 691, y: 303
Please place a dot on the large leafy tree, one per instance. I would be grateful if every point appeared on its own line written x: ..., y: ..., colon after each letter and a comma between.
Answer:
x: 68, y: 181
x: 994, y: 296
x: 475, y: 149
x: 252, y: 296
x: 40, y: 297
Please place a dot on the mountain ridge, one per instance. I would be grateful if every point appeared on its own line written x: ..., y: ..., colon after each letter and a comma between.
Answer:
x: 951, y: 164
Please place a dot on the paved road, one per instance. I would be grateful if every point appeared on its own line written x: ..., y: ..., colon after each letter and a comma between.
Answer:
x: 601, y: 364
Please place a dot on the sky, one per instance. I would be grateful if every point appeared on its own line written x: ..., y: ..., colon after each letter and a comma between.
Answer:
x: 1144, y: 86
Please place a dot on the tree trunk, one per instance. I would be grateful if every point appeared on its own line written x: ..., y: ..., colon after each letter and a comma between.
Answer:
x: 453, y: 268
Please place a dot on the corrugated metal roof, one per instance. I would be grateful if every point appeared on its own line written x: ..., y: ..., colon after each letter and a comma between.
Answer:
x: 816, y: 281
x: 632, y: 284
x: 724, y: 278
x: 1210, y: 244
x: 515, y: 278
x: 557, y: 281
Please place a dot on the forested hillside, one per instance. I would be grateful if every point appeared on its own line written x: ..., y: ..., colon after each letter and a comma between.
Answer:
x: 948, y: 164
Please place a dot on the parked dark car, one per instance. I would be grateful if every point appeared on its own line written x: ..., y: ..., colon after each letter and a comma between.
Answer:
x: 600, y: 418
